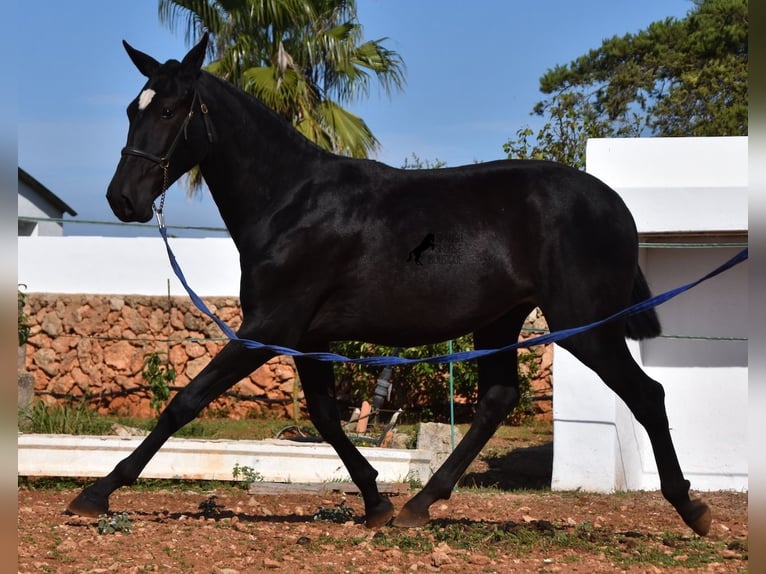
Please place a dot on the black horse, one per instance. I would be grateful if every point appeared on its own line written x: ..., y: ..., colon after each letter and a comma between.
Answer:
x: 314, y: 230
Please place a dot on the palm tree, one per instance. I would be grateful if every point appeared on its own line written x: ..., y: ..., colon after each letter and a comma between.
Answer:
x: 303, y: 58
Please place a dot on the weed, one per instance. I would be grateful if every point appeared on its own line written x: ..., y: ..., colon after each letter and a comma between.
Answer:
x: 413, y: 480
x: 24, y: 326
x: 181, y: 485
x: 210, y: 507
x: 62, y: 419
x: 40, y: 483
x: 624, y: 549
x: 116, y: 523
x: 246, y: 474
x: 340, y: 513
x: 159, y: 375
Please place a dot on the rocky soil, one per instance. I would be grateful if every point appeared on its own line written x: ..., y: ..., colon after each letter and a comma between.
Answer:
x: 187, y: 530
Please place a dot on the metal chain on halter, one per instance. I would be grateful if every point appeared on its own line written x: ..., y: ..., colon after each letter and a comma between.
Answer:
x: 159, y: 212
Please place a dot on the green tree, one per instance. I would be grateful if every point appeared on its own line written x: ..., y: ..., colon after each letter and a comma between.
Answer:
x: 684, y: 77
x: 305, y: 59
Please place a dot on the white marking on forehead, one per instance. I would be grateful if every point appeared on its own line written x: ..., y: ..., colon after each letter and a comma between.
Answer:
x: 145, y: 98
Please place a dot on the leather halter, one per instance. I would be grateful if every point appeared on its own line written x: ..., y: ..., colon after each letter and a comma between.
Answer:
x: 164, y: 160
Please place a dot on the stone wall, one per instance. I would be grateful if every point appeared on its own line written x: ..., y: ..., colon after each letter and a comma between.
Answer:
x: 93, y: 347
x: 542, y: 383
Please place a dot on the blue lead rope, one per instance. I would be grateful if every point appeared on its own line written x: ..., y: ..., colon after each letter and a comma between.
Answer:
x: 383, y: 361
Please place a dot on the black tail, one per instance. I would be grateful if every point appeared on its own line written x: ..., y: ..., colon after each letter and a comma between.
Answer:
x: 646, y: 324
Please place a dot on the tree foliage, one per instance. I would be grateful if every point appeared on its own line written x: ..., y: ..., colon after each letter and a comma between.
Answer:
x: 305, y: 59
x: 422, y: 389
x: 684, y: 77
x: 415, y: 162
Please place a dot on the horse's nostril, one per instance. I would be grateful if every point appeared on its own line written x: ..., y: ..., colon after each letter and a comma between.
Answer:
x: 121, y: 205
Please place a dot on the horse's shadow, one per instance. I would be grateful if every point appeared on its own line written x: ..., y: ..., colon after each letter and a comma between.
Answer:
x: 526, y: 468
x: 161, y: 517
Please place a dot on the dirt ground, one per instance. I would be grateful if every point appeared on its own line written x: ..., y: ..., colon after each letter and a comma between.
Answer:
x: 475, y: 531
x: 501, y: 519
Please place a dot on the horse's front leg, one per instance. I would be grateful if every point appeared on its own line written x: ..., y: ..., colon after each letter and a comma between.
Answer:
x: 233, y: 363
x: 498, y: 394
x: 318, y: 382
x: 492, y: 409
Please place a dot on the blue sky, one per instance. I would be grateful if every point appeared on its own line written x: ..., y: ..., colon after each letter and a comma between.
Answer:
x: 472, y: 79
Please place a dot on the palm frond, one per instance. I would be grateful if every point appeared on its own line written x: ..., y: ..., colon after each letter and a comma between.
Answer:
x: 303, y: 58
x: 350, y: 134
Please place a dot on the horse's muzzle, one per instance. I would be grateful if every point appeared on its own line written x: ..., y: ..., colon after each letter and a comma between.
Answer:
x: 126, y: 209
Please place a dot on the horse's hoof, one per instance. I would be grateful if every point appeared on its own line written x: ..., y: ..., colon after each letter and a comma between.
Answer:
x: 697, y: 516
x: 380, y: 515
x: 410, y: 519
x: 87, y: 504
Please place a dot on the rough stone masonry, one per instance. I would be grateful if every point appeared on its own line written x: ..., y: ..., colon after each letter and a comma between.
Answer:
x: 94, y: 346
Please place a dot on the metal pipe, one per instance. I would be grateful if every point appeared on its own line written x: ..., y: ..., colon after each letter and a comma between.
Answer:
x: 382, y: 388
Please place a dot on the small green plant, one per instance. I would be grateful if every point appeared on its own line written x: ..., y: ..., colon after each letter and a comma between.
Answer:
x: 528, y: 369
x: 413, y: 480
x: 210, y: 507
x: 246, y: 474
x: 116, y: 523
x: 24, y: 326
x: 339, y: 513
x: 159, y: 375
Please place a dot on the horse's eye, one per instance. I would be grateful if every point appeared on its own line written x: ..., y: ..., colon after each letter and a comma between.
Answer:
x: 166, y: 113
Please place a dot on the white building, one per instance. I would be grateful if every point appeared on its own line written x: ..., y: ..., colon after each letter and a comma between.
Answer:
x: 35, y: 202
x: 690, y: 191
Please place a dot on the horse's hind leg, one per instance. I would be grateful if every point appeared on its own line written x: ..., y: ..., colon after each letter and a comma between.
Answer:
x: 498, y: 394
x: 229, y: 366
x: 604, y: 350
x: 318, y: 382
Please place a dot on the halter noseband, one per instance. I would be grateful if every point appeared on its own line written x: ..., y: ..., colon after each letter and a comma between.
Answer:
x: 164, y: 160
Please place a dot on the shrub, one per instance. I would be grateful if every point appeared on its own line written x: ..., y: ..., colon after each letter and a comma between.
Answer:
x: 424, y: 387
x: 24, y: 327
x: 159, y: 376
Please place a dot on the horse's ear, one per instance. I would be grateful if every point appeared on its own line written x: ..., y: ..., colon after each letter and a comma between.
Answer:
x: 144, y: 62
x: 192, y: 61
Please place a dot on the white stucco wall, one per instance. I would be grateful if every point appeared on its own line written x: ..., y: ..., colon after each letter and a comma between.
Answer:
x: 686, y: 186
x: 676, y: 185
x: 127, y: 265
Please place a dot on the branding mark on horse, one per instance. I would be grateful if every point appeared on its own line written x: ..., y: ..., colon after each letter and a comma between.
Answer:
x: 448, y: 251
x: 427, y: 243
x: 145, y: 98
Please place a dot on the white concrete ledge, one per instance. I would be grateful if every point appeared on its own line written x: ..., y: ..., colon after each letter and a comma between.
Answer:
x: 196, y: 459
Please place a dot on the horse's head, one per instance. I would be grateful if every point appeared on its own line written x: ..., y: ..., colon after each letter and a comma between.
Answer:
x: 168, y: 133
